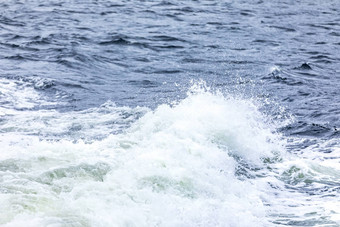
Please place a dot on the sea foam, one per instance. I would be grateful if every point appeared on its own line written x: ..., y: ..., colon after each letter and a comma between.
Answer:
x: 175, y: 166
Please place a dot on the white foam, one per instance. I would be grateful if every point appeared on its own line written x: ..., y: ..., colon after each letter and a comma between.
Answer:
x: 307, y: 186
x: 18, y: 94
x: 178, y: 165
x: 175, y: 166
x: 274, y: 69
x: 94, y: 123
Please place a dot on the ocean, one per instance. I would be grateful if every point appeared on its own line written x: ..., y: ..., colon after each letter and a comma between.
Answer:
x: 169, y: 113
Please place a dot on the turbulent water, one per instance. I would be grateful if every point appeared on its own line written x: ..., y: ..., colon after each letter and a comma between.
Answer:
x: 169, y: 113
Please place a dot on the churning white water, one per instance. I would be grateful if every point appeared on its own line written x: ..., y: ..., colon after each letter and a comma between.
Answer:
x: 208, y: 160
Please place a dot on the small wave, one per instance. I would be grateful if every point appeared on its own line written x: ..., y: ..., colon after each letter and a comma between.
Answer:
x: 165, y: 38
x: 11, y: 22
x: 144, y: 83
x: 115, y: 40
x: 304, y: 66
x: 278, y: 75
x: 283, y: 28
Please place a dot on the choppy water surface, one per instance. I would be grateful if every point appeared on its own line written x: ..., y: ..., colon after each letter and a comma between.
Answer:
x: 169, y: 113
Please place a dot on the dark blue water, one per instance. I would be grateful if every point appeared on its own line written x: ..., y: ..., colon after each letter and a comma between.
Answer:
x: 78, y: 55
x: 134, y: 53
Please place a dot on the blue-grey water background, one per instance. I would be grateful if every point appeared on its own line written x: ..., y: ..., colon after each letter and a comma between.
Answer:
x: 67, y: 59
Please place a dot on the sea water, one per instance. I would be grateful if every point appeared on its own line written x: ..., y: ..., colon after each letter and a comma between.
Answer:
x: 169, y: 113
